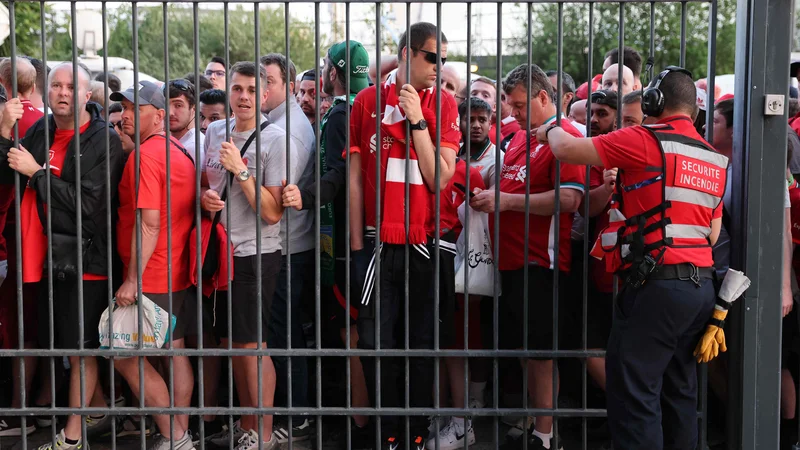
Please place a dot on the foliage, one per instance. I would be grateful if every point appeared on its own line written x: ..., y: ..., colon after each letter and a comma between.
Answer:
x: 667, y: 18
x: 180, y: 21
x: 29, y: 33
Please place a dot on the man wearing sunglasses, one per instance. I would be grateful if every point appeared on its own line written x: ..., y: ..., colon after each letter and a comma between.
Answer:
x: 216, y: 71
x: 410, y: 97
x: 182, y: 102
x: 115, y: 123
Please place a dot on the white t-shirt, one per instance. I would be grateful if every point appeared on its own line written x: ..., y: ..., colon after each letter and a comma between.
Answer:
x: 485, y: 162
x: 188, y: 142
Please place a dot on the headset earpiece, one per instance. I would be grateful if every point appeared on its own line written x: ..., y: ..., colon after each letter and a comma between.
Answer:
x: 653, y: 98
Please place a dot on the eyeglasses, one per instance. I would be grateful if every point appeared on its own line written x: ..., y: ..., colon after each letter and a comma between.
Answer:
x: 216, y: 73
x: 431, y: 57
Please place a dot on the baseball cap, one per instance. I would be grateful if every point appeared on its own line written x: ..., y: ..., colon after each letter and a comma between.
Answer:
x: 583, y: 90
x: 605, y: 97
x: 359, y: 63
x: 149, y: 94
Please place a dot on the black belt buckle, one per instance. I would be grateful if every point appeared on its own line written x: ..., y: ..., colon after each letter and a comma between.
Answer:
x: 694, y: 276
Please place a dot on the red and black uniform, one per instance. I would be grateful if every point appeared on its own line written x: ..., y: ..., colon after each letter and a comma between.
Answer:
x: 538, y: 259
x: 392, y: 178
x: 670, y: 185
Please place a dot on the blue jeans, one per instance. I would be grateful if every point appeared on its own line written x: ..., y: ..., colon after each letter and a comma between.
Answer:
x: 302, y: 284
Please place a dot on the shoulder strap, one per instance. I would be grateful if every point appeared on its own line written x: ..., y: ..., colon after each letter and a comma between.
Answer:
x: 224, y: 195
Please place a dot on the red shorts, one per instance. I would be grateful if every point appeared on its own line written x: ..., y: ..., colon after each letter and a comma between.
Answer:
x: 474, y: 338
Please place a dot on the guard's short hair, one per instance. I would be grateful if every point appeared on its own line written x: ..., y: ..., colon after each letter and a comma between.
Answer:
x: 567, y: 83
x: 115, y: 107
x: 420, y: 33
x: 630, y: 59
x: 201, y: 84
x: 219, y: 60
x: 680, y: 93
x: 725, y: 108
x: 523, y: 74
x: 632, y: 97
x: 476, y: 104
x: 213, y: 97
x: 282, y: 63
x: 249, y: 69
x: 113, y: 81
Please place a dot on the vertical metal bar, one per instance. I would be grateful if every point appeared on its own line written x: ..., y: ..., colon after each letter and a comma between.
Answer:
x: 229, y: 245
x: 317, y: 232
x: 712, y: 72
x: 652, y: 39
x: 167, y: 149
x: 259, y: 282
x: 138, y: 225
x: 406, y: 255
x: 287, y: 213
x: 526, y: 226
x: 683, y: 34
x: 378, y: 224
x: 347, y: 253
x: 109, y: 222
x: 620, y: 56
x: 586, y: 237
x: 78, y: 211
x: 496, y: 242
x: 199, y: 164
x: 437, y: 207
x: 468, y: 160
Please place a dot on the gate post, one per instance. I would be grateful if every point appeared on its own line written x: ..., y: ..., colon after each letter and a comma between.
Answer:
x: 762, y: 67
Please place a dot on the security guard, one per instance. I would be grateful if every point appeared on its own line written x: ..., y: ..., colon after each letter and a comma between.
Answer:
x: 670, y: 186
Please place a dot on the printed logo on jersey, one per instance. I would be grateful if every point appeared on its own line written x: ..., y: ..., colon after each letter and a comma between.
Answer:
x: 386, y: 143
x: 516, y: 172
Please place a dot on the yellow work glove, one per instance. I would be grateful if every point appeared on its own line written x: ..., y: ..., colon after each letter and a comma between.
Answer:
x: 713, y: 340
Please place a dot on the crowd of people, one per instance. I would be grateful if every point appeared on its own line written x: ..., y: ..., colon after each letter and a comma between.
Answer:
x: 251, y: 131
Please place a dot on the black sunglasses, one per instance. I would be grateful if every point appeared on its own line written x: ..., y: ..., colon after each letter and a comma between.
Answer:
x: 431, y: 57
x: 181, y: 84
x: 603, y: 98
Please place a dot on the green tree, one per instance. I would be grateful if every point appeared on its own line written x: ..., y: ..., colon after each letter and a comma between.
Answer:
x: 28, y: 33
x: 241, y: 31
x: 667, y: 18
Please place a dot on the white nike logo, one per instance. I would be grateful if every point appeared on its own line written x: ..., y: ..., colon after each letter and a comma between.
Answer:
x: 373, y: 115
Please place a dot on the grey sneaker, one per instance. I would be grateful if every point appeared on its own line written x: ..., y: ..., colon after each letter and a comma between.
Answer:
x: 162, y: 443
x: 61, y: 444
x: 98, y: 425
x: 300, y: 431
x: 223, y: 438
x: 12, y: 426
x: 249, y: 441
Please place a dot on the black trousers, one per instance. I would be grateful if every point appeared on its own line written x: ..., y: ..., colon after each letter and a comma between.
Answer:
x: 651, y: 372
x: 421, y: 318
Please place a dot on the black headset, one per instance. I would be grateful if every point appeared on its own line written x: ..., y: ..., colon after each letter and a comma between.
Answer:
x: 652, y: 97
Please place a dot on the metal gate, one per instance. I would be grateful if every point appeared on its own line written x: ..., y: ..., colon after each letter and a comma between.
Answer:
x: 762, y: 49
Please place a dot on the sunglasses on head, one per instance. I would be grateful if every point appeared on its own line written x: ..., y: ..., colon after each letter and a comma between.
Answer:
x: 602, y: 98
x: 431, y: 57
x: 181, y: 84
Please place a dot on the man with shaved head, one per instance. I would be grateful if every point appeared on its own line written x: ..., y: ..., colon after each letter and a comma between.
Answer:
x: 611, y: 80
x: 451, y: 82
x: 53, y: 148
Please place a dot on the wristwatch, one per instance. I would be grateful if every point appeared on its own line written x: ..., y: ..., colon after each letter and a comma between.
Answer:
x: 243, y: 175
x: 549, y: 128
x: 421, y: 125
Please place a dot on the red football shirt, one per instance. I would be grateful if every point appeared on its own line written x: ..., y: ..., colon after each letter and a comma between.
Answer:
x: 633, y: 150
x: 542, y: 172
x: 30, y: 116
x: 452, y: 197
x: 507, y: 126
x: 34, y: 237
x: 363, y: 118
x: 152, y: 194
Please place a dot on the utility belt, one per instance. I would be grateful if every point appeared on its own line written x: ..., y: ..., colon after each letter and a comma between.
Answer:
x: 650, y: 268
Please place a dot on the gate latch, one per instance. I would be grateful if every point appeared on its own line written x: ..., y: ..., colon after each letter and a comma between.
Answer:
x: 773, y: 104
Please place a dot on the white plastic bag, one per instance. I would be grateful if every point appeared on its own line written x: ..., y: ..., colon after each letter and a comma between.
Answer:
x: 479, y: 257
x: 156, y: 326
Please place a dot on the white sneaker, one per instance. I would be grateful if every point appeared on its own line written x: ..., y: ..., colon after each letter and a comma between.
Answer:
x: 476, y: 403
x: 163, y: 443
x: 61, y: 444
x: 453, y: 435
x: 223, y: 438
x: 443, y: 422
x: 250, y: 440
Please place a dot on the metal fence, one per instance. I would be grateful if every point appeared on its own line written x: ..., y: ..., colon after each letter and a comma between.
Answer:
x: 762, y: 51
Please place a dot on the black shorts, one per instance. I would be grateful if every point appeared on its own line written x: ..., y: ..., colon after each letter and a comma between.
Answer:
x: 66, y: 313
x: 447, y: 297
x: 179, y: 303
x: 244, y: 298
x: 209, y: 307
x: 540, y: 308
x: 790, y: 338
x: 334, y: 299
